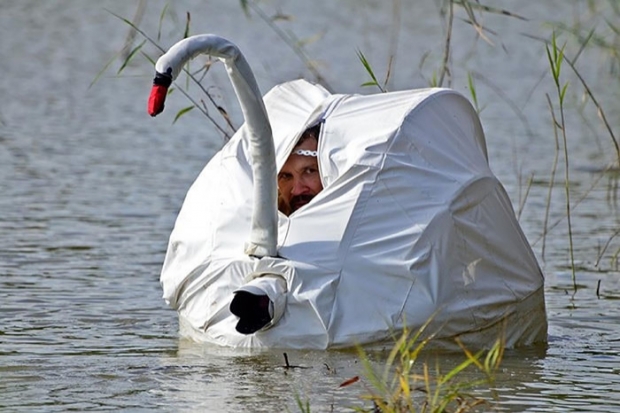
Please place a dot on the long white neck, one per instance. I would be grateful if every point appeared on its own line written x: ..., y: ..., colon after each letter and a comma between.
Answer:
x: 263, y: 236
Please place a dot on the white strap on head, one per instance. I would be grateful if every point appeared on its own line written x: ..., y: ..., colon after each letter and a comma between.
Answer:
x: 304, y: 152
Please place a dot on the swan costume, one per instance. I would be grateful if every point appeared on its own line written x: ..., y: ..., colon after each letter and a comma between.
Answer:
x: 411, y: 225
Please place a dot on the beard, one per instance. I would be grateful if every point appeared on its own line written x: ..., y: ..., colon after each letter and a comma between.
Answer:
x: 300, y: 200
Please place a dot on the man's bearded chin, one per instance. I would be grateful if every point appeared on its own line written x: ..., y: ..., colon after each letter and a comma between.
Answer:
x: 300, y: 200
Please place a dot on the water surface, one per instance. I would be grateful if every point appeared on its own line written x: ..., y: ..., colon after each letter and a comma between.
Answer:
x: 91, y: 186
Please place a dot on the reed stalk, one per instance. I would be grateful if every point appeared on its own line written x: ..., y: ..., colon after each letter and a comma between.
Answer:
x: 445, y: 68
x: 555, y: 56
x: 554, y: 167
x: 289, y: 38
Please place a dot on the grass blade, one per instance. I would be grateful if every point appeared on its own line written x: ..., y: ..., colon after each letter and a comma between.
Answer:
x: 182, y: 112
x: 369, y: 70
x: 130, y: 56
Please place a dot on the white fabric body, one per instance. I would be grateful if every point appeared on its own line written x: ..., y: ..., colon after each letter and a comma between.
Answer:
x: 411, y: 224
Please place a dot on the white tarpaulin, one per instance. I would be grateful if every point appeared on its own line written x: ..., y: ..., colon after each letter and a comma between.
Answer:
x: 411, y: 224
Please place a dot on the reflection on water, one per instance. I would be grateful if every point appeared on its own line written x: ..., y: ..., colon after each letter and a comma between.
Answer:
x: 90, y: 189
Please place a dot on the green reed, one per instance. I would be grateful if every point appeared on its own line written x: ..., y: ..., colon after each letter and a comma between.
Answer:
x: 555, y: 56
x: 408, y: 383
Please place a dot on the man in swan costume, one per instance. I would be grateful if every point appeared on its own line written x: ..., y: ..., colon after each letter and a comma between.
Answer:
x: 411, y: 224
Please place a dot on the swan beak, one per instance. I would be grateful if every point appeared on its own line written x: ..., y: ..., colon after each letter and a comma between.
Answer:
x: 157, y: 99
x: 158, y: 94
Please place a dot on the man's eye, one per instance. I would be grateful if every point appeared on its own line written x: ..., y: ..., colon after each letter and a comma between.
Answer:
x: 310, y: 170
x: 284, y: 177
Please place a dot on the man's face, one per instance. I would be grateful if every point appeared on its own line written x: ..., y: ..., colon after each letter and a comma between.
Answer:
x: 299, y: 180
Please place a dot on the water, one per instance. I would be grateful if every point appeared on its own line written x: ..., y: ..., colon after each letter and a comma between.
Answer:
x: 91, y: 186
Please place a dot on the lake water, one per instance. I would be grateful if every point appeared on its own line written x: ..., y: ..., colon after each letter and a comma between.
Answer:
x: 90, y: 187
